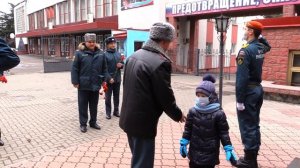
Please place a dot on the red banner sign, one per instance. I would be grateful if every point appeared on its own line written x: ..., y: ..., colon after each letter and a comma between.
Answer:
x: 193, y: 7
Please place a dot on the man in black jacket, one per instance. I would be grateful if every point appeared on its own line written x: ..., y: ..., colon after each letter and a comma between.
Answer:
x: 147, y: 93
x: 88, y: 72
x: 8, y: 60
x: 114, y: 66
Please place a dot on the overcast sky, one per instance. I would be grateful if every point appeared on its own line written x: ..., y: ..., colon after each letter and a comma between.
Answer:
x: 4, y: 4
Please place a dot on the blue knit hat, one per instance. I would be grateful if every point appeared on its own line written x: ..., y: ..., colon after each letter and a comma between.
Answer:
x: 207, y: 86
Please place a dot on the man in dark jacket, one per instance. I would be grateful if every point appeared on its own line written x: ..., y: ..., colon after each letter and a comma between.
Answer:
x: 249, y: 92
x: 8, y: 60
x: 88, y: 72
x: 147, y: 93
x: 114, y: 66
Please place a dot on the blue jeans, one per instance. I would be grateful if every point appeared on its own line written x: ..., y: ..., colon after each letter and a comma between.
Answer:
x: 142, y: 152
x: 249, y: 118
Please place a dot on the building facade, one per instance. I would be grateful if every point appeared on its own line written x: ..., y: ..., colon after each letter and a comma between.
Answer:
x: 55, y: 28
x: 281, y: 64
x: 141, y: 18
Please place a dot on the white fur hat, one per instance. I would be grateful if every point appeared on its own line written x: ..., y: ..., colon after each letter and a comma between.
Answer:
x: 90, y: 37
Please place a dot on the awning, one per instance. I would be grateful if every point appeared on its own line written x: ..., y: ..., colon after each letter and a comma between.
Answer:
x: 121, y: 36
x: 107, y: 23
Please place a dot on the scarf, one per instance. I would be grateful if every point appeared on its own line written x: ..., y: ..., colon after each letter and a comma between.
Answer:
x: 207, y: 109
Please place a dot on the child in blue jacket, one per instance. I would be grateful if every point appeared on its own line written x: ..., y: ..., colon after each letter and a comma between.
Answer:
x: 206, y: 126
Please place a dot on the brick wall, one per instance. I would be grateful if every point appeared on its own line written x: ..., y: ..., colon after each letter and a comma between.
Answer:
x: 288, y: 10
x: 283, y: 40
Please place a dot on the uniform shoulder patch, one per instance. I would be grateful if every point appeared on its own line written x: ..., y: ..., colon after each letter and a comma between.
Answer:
x: 241, y: 56
x: 240, y: 60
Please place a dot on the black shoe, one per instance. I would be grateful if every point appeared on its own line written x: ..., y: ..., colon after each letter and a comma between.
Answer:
x: 1, y: 143
x: 83, y: 129
x: 249, y: 160
x: 95, y: 126
x: 116, y: 114
x: 108, y: 117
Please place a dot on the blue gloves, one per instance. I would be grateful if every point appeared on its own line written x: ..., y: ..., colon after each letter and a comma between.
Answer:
x: 230, y: 154
x: 183, y: 149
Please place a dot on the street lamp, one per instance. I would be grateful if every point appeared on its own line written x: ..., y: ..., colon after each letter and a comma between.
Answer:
x: 222, y: 24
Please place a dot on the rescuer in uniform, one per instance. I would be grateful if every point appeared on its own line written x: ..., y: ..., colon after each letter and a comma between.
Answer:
x: 249, y: 92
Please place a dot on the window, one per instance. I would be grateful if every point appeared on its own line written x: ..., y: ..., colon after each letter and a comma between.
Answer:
x: 120, y: 46
x: 99, y: 8
x: 20, y: 20
x: 233, y: 48
x: 208, y: 48
x: 77, y: 10
x: 50, y: 12
x: 89, y: 7
x: 31, y: 45
x: 294, y: 68
x: 234, y: 20
x: 51, y: 46
x: 65, y: 46
x: 83, y: 10
x: 115, y: 7
x: 61, y: 13
x: 107, y: 7
x: 100, y: 41
x: 64, y: 12
x: 31, y: 21
x: 40, y: 19
x: 78, y: 40
x: 80, y: 10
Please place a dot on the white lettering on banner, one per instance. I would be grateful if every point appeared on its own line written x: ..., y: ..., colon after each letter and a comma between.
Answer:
x: 178, y: 8
x: 223, y: 4
x: 266, y: 1
x: 199, y: 5
x: 253, y: 2
x: 246, y: 2
x: 210, y: 4
x: 216, y: 4
x: 174, y: 9
x: 231, y: 4
x: 188, y: 8
x: 207, y: 5
x: 194, y: 7
x: 183, y: 8
x: 204, y: 5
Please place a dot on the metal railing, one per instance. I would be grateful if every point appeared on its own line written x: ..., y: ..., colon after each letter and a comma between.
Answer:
x: 209, y: 60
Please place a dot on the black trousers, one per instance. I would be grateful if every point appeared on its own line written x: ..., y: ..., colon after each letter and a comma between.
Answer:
x: 113, y: 89
x: 249, y: 119
x: 193, y: 165
x: 87, y: 99
x: 142, y: 152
